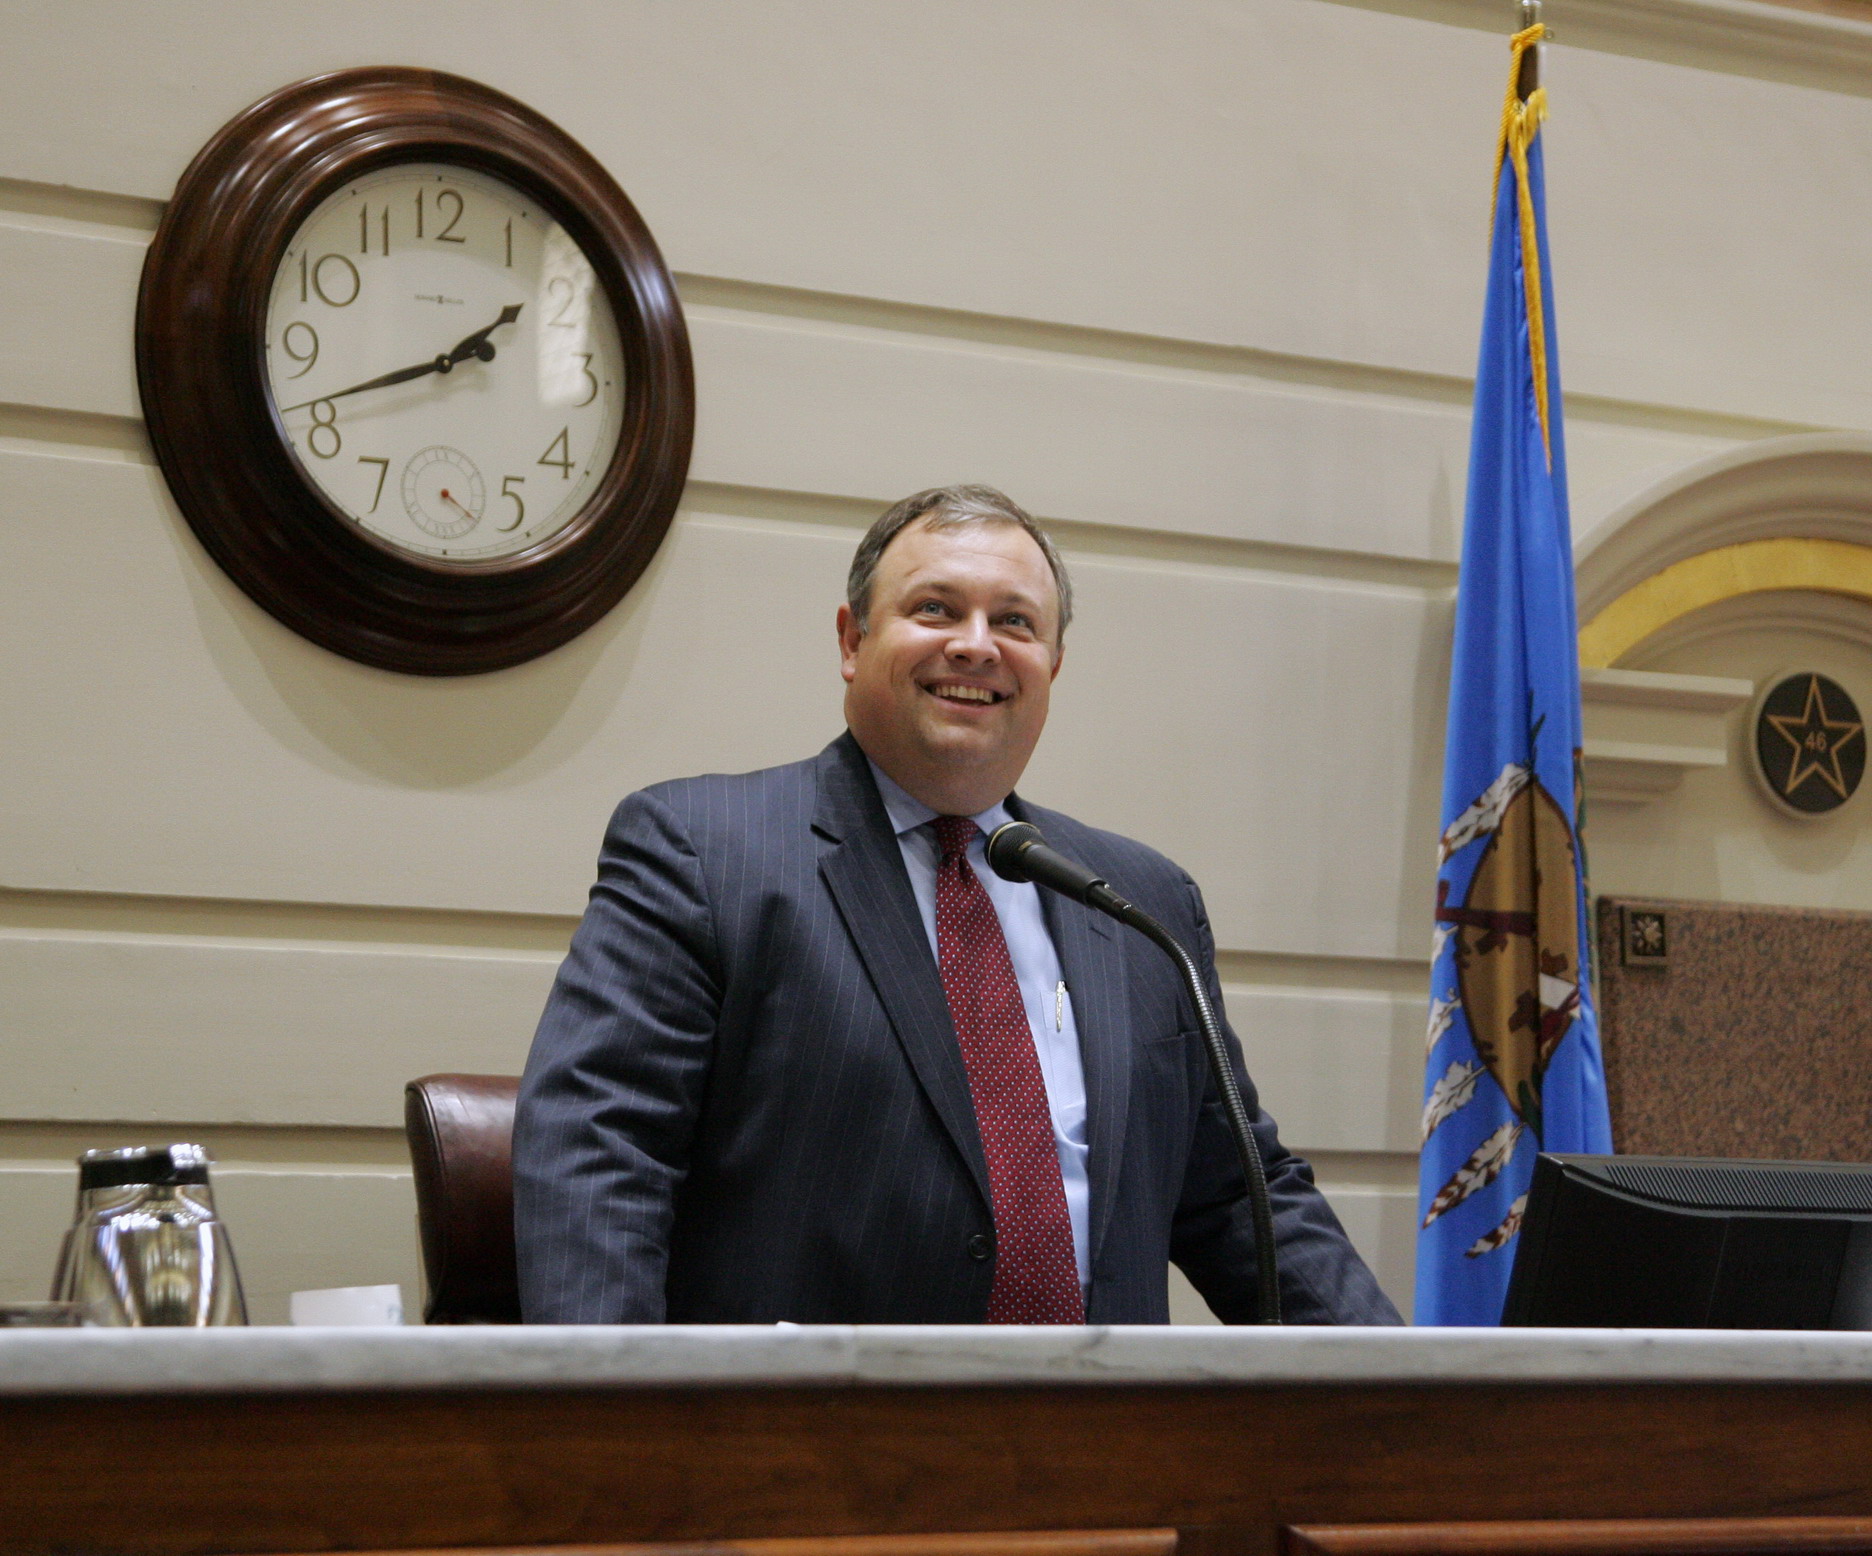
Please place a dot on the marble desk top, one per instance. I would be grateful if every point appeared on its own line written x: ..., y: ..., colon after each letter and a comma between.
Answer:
x: 270, y: 1360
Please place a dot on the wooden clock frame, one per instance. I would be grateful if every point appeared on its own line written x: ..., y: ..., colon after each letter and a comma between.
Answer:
x: 200, y: 354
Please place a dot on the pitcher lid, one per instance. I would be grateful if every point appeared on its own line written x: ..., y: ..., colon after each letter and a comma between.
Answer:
x: 138, y: 1164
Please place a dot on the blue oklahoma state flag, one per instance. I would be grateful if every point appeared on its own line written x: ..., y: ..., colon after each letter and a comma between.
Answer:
x: 1513, y: 1045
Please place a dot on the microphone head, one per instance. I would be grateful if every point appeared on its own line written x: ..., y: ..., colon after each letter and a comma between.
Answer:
x: 1007, y: 849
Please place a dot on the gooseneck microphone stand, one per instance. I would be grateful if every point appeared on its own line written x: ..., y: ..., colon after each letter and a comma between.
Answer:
x: 1017, y: 852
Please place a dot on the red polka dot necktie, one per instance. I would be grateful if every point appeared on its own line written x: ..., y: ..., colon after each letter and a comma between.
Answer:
x: 1036, y: 1278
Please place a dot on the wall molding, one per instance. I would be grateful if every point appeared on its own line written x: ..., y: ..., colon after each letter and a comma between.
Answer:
x: 1737, y: 36
x: 278, y: 925
x: 39, y: 429
x: 94, y: 211
x: 1822, y: 48
x: 1088, y: 540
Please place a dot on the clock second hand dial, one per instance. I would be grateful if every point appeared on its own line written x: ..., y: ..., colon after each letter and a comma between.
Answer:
x: 475, y: 345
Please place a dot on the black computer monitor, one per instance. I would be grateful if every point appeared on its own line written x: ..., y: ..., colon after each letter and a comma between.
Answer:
x: 1669, y: 1242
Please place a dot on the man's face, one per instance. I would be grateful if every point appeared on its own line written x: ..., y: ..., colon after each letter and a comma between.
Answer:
x: 947, y: 687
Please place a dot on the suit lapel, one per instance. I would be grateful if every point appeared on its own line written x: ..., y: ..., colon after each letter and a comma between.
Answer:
x: 1092, y: 961
x: 865, y: 873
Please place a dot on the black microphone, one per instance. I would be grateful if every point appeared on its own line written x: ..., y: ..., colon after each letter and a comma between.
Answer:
x: 1018, y: 852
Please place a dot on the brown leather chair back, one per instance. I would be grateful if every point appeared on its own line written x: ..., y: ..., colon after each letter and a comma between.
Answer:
x: 461, y: 1144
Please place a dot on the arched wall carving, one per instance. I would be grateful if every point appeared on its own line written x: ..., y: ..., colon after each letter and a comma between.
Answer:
x: 1837, y: 617
x: 1677, y: 813
x: 1637, y: 563
x: 1778, y: 564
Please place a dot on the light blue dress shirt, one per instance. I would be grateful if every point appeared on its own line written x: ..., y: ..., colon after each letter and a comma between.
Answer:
x: 1036, y: 969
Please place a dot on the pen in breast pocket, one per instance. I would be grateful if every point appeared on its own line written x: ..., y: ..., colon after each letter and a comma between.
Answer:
x: 1059, y: 1007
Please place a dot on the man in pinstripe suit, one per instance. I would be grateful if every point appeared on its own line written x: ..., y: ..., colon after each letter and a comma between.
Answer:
x: 810, y: 1060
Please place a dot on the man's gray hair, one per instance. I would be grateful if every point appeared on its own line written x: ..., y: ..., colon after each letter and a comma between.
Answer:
x: 949, y: 507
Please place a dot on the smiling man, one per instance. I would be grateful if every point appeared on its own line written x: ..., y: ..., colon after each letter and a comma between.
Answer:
x: 809, y: 1059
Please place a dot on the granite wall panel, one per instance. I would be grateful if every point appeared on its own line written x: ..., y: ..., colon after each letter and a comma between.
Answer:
x: 1751, y: 1038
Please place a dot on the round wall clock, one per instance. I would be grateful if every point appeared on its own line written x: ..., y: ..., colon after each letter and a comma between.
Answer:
x: 415, y: 371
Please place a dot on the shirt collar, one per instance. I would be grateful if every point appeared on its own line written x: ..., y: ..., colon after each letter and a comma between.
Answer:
x: 907, y: 812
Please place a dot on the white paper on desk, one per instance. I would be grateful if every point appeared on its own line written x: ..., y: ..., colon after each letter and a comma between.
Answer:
x: 349, y: 1305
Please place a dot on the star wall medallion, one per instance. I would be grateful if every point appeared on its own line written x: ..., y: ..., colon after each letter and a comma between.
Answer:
x: 1810, y: 744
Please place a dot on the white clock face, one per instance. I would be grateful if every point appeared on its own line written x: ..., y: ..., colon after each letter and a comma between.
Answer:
x: 444, y: 362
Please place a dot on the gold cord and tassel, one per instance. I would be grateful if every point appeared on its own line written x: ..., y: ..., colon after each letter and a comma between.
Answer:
x: 1521, y: 122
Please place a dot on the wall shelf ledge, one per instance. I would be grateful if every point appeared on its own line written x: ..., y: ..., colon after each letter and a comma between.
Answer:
x: 1645, y: 730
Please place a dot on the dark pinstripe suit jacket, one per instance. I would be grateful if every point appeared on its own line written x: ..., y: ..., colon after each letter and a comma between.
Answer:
x: 745, y: 1101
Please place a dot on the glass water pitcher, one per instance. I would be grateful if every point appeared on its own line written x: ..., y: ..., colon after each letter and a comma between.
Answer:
x: 146, y: 1247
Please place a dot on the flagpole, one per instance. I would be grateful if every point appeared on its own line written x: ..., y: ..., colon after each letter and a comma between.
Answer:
x: 1529, y: 78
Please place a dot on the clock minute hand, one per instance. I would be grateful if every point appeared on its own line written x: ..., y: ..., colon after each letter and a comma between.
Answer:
x: 475, y: 345
x: 401, y: 376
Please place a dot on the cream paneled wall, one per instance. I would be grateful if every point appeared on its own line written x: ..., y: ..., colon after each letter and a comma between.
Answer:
x: 1198, y: 284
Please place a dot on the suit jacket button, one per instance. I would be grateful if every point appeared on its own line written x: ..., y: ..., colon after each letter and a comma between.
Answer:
x: 980, y: 1246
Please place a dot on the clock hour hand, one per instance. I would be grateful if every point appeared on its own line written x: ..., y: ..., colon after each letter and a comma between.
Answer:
x: 475, y: 345
x: 478, y: 344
